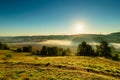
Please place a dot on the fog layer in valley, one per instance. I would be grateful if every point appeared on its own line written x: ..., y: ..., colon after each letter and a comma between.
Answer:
x: 61, y: 43
x: 57, y: 42
x: 47, y: 42
x: 116, y: 45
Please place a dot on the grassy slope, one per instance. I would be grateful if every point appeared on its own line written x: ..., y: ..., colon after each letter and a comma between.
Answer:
x: 24, y: 66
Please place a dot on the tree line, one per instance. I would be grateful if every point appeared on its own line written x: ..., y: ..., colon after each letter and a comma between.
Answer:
x: 54, y: 51
x: 46, y: 51
x: 25, y: 49
x: 84, y: 49
x: 3, y: 46
x: 102, y: 50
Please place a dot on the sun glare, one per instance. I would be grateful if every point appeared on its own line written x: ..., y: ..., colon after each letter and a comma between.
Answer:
x: 79, y: 28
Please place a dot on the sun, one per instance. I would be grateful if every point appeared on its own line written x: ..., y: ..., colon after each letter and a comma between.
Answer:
x: 78, y: 28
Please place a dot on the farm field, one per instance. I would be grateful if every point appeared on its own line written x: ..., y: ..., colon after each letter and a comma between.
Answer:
x: 24, y: 66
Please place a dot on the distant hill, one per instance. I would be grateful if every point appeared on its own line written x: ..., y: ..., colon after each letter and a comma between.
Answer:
x: 115, y: 34
x: 113, y: 37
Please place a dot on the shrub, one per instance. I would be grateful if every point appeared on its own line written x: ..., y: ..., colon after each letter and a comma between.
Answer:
x: 116, y: 57
x: 8, y: 55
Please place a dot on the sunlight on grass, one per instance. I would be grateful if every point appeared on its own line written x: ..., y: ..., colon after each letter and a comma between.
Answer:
x: 23, y: 66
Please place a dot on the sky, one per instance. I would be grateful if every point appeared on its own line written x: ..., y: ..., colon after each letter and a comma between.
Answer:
x: 58, y: 17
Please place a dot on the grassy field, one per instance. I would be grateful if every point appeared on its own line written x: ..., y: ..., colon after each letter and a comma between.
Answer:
x: 24, y: 66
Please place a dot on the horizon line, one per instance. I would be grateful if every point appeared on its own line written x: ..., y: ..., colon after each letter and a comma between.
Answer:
x: 57, y: 34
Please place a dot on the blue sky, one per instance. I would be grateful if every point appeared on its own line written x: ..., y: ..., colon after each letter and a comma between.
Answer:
x: 49, y: 17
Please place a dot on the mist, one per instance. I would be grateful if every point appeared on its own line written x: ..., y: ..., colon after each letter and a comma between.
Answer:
x: 67, y: 43
x: 57, y: 42
x: 116, y: 45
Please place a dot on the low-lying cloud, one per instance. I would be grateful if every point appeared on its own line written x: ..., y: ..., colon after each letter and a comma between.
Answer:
x: 63, y: 43
x: 57, y: 42
x: 116, y: 45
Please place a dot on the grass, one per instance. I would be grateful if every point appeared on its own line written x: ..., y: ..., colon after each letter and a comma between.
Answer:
x: 23, y: 66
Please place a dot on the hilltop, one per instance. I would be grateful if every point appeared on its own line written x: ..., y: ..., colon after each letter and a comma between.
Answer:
x: 23, y: 66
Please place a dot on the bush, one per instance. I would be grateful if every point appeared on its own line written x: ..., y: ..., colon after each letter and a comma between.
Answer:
x: 116, y: 57
x: 8, y: 55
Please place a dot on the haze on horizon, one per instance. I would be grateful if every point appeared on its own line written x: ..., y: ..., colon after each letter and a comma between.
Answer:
x: 52, y: 17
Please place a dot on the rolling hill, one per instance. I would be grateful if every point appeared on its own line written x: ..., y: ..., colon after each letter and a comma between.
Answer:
x: 23, y: 66
x: 113, y: 37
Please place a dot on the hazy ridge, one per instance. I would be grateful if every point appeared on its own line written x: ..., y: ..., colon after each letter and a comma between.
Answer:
x: 113, y: 38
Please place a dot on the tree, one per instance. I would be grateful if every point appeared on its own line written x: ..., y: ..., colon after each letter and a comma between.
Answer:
x: 97, y: 53
x: 68, y: 52
x: 60, y: 52
x: 5, y: 46
x: 81, y: 49
x: 19, y: 50
x: 27, y: 49
x: 85, y: 49
x: 89, y: 50
x: 1, y: 45
x: 52, y: 51
x: 104, y: 50
x: 44, y: 51
x: 64, y: 53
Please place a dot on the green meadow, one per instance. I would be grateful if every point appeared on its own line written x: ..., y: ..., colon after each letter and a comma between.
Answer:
x: 25, y: 66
